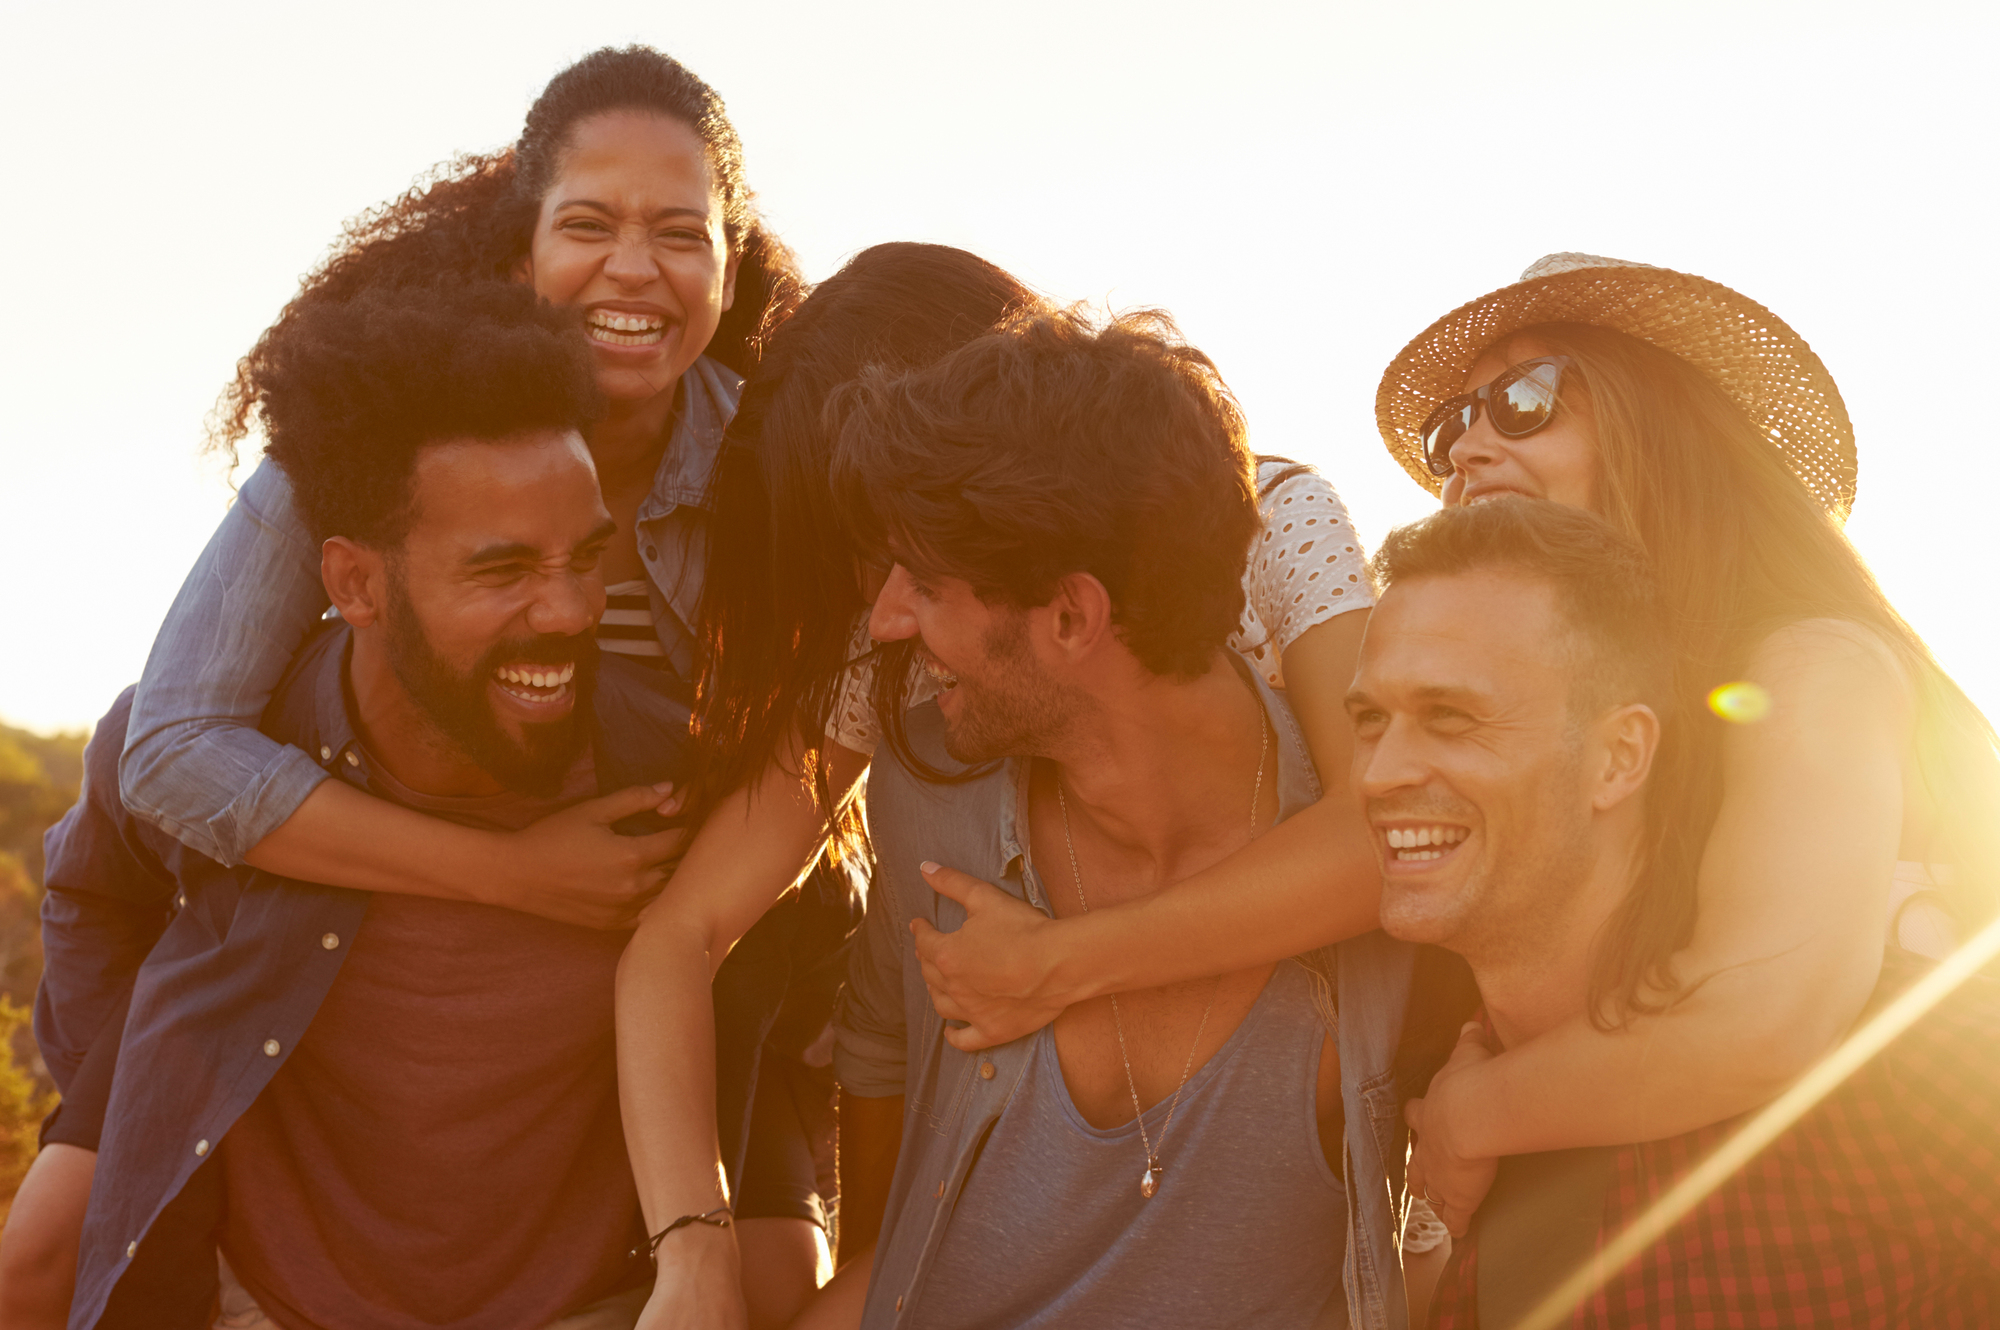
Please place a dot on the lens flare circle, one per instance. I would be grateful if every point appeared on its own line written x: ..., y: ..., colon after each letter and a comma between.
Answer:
x: 1740, y: 703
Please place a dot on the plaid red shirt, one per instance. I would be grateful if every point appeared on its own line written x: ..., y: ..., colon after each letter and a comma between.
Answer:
x: 1881, y: 1207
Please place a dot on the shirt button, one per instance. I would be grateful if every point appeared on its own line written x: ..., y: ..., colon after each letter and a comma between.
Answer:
x: 652, y: 553
x: 271, y: 1047
x: 184, y: 900
x: 132, y: 1249
x: 940, y: 1190
x: 899, y: 1302
x: 353, y: 759
x: 324, y: 752
x: 201, y: 1147
x: 330, y: 941
x: 985, y: 1071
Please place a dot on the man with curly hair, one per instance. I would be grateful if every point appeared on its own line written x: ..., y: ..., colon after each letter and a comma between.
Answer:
x: 385, y: 1109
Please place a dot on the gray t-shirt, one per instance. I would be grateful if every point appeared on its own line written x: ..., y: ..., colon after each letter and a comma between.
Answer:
x: 1247, y: 1228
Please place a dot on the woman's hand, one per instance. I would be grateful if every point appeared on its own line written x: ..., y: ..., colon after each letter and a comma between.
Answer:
x: 991, y: 972
x: 698, y: 1285
x: 573, y: 868
x: 1453, y: 1184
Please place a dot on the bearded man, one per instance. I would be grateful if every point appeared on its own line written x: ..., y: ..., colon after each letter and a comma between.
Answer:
x: 387, y: 1110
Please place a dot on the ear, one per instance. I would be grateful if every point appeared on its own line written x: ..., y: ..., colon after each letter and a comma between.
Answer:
x: 1628, y: 739
x: 1079, y: 614
x: 729, y: 280
x: 356, y: 580
x: 524, y: 271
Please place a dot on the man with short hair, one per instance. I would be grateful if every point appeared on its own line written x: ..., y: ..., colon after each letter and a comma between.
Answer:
x: 1067, y: 511
x: 1507, y: 719
x: 388, y: 1110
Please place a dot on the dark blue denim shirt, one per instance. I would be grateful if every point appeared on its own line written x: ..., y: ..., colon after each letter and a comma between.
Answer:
x: 227, y: 966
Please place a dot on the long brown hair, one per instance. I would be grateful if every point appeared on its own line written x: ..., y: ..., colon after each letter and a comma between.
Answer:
x: 1741, y: 548
x: 782, y: 592
x: 472, y: 218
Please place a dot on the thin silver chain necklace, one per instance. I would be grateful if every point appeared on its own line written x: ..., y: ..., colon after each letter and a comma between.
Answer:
x: 1150, y: 1183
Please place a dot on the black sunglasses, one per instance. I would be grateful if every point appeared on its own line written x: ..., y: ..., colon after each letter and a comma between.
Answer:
x: 1519, y: 401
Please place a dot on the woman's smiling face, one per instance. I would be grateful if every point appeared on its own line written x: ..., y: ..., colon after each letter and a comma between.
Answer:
x: 631, y: 232
x: 1558, y: 461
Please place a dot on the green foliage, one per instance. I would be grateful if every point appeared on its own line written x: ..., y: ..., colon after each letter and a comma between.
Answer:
x: 39, y: 778
x: 24, y: 1100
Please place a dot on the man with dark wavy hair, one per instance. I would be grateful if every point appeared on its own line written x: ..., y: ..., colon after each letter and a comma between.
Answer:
x: 1067, y: 510
x: 386, y: 1109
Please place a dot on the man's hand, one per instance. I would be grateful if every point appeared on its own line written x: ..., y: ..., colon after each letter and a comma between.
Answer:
x: 991, y: 971
x: 1453, y: 1184
x: 699, y: 1284
x: 573, y: 868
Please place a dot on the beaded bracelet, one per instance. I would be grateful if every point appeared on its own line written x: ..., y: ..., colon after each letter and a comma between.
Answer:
x: 716, y: 1218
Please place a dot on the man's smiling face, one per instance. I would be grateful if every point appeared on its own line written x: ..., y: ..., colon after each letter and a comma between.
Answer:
x: 493, y: 598
x: 1469, y: 759
x: 997, y: 695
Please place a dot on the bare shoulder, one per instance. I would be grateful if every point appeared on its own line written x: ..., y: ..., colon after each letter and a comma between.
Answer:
x: 1836, y: 651
x: 1833, y: 670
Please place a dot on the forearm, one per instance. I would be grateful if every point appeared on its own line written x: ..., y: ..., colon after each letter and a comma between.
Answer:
x: 343, y: 837
x: 1309, y: 881
x: 1729, y: 1048
x: 666, y: 1069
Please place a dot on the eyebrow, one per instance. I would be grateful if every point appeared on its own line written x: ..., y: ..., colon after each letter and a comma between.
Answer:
x: 655, y: 216
x: 507, y: 551
x: 1430, y: 692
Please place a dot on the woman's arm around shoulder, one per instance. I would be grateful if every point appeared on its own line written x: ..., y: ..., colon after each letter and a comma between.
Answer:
x: 1309, y: 881
x: 195, y: 764
x: 1793, y: 900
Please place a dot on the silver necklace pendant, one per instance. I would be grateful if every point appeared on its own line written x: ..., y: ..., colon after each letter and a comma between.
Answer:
x: 1150, y: 1184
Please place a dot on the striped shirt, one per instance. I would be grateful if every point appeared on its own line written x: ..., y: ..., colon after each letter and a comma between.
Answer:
x: 627, y: 628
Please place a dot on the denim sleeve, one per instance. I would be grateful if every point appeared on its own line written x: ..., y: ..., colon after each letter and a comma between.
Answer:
x: 107, y: 900
x: 195, y: 765
x: 870, y: 1048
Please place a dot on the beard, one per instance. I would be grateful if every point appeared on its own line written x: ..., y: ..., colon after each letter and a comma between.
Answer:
x: 456, y: 703
x: 1008, y: 707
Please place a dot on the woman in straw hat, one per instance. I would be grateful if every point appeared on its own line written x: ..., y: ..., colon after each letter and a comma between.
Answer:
x: 1701, y: 424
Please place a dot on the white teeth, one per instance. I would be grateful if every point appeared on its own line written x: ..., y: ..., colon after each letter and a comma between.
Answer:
x: 543, y: 678
x: 1409, y: 842
x: 617, y: 322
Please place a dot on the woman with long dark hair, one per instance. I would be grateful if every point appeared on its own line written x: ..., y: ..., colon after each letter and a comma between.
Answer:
x: 794, y: 697
x: 1830, y: 778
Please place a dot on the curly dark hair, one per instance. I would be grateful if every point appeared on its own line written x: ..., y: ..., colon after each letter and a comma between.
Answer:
x: 350, y: 393
x: 471, y: 218
x: 782, y: 594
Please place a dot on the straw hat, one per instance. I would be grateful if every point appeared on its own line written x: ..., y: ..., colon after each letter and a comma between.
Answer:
x: 1750, y: 353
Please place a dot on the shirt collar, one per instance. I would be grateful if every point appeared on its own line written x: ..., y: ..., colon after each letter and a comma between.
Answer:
x: 707, y: 400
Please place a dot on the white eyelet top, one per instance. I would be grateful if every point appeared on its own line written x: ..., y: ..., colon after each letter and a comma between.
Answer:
x: 1306, y: 567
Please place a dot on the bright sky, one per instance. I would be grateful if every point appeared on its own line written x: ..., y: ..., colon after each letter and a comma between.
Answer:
x: 1304, y: 186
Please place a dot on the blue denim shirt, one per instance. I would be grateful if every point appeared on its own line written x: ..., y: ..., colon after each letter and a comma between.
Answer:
x: 227, y: 966
x: 196, y: 766
x: 889, y: 1040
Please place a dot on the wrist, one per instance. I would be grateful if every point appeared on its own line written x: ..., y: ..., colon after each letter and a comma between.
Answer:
x: 1472, y: 1114
x: 491, y: 868
x: 698, y: 1249
x: 1063, y: 972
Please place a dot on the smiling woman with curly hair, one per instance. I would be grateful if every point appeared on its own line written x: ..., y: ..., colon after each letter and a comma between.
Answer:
x: 624, y: 203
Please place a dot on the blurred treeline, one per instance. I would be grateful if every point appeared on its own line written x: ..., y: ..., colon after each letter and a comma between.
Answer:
x: 39, y: 776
